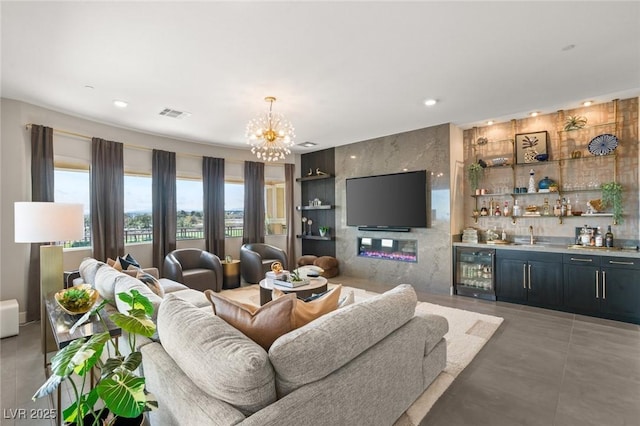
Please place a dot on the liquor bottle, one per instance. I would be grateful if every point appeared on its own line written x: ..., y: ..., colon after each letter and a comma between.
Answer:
x: 505, y: 210
x: 563, y: 207
x: 483, y: 210
x: 598, y: 238
x: 546, y: 209
x: 569, y: 211
x: 532, y: 182
x: 516, y: 208
x: 497, y: 211
x: 557, y: 208
x: 608, y: 238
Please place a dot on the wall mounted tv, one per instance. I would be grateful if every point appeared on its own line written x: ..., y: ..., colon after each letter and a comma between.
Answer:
x: 394, y: 202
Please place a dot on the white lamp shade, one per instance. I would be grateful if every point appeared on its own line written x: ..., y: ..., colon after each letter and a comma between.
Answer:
x: 41, y: 222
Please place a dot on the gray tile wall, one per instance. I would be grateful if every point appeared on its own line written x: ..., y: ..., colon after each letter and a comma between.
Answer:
x: 424, y: 149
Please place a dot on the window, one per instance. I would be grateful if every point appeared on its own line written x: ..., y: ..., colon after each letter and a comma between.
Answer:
x: 233, y: 208
x: 137, y: 209
x: 71, y: 185
x: 189, y: 204
x: 275, y: 221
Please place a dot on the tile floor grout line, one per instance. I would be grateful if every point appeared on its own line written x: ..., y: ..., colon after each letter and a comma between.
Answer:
x: 564, y: 369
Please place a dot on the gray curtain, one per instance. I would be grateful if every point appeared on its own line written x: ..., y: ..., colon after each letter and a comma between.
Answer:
x: 289, y: 171
x: 41, y: 190
x: 107, y: 198
x: 164, y: 214
x: 253, y: 224
x: 213, y: 202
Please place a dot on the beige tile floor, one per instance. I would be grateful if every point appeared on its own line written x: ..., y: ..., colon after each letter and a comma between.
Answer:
x: 541, y: 367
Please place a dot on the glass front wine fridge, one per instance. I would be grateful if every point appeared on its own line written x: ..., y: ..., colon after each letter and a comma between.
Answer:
x: 474, y: 273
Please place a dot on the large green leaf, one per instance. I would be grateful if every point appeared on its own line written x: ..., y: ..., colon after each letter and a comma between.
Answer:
x: 95, y: 310
x: 135, y: 300
x: 113, y: 365
x: 123, y: 394
x: 136, y: 322
x: 79, y: 356
x: 86, y: 402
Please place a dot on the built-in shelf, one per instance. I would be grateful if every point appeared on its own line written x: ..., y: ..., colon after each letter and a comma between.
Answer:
x: 320, y: 207
x: 314, y: 177
x: 315, y: 237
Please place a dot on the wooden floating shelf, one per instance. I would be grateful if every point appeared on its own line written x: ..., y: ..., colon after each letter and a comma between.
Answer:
x: 320, y: 207
x: 313, y: 177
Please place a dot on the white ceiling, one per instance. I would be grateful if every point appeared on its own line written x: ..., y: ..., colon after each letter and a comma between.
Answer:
x: 342, y: 71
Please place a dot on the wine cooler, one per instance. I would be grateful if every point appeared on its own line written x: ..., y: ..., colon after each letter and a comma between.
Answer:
x: 474, y: 273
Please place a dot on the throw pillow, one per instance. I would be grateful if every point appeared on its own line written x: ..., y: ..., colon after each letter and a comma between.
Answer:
x: 150, y: 282
x: 127, y: 261
x: 115, y: 264
x: 305, y: 312
x: 349, y: 299
x: 262, y: 324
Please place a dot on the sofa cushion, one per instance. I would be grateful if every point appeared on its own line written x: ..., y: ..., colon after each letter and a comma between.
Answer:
x: 262, y: 324
x: 195, y: 297
x: 88, y: 269
x: 170, y: 286
x: 105, y: 282
x: 125, y: 283
x: 220, y: 360
x: 307, y: 259
x: 334, y: 339
x: 305, y: 312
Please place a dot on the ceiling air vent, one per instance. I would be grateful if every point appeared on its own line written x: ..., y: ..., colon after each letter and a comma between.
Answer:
x: 174, y: 113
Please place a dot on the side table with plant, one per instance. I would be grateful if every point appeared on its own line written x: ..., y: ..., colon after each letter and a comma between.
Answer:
x: 612, y: 197
x: 119, y: 388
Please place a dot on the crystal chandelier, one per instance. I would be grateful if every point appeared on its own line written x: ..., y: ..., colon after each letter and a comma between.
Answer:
x: 270, y: 135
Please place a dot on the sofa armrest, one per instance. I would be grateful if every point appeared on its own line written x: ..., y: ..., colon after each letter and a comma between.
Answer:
x: 211, y: 261
x: 435, y: 327
x: 180, y: 401
x: 172, y: 269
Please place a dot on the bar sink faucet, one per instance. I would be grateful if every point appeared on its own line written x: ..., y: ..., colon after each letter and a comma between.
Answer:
x: 531, y: 241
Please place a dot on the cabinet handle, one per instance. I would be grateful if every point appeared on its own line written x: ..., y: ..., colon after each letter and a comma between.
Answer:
x: 604, y: 285
x: 529, y: 277
x: 597, y: 291
x: 577, y: 259
x: 524, y: 276
x: 615, y: 262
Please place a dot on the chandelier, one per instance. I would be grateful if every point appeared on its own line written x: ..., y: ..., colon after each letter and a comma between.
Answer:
x: 270, y: 135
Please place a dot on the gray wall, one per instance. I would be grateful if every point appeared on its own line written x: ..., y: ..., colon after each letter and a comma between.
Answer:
x: 424, y: 149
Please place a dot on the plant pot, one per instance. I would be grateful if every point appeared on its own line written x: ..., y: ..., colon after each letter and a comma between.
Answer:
x: 89, y: 419
x: 323, y: 233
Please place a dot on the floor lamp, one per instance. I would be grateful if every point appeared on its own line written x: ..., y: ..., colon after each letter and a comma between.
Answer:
x: 42, y: 222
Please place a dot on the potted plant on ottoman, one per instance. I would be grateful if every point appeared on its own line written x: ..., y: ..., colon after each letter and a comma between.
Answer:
x: 118, y: 386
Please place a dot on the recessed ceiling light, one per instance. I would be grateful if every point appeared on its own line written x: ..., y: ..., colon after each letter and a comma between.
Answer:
x: 405, y: 170
x: 353, y: 157
x: 430, y: 102
x: 307, y: 144
x: 120, y: 104
x: 534, y: 114
x: 587, y: 103
x: 490, y: 122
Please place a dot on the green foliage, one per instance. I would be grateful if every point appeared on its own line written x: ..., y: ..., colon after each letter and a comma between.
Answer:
x: 119, y: 388
x: 612, y: 197
x: 476, y: 172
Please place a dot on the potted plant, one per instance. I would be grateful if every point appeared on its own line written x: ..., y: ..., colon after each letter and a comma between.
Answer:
x: 475, y: 174
x: 575, y: 122
x: 612, y: 197
x: 323, y: 230
x: 119, y: 388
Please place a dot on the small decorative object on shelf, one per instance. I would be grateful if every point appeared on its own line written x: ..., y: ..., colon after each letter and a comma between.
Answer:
x: 320, y: 172
x: 309, y: 223
x: 603, y: 144
x: 323, y: 230
x: 475, y: 174
x: 228, y: 258
x: 532, y: 182
x: 575, y: 122
x: 612, y: 197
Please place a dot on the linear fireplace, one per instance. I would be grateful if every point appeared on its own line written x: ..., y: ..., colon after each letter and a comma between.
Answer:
x: 388, y: 248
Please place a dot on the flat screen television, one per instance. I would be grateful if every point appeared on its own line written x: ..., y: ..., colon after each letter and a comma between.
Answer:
x: 398, y: 200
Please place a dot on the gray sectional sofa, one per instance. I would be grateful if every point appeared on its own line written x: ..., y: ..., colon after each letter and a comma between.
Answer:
x: 363, y: 364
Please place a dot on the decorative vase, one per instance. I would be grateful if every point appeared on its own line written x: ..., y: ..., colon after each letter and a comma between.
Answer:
x: 532, y: 182
x: 545, y: 183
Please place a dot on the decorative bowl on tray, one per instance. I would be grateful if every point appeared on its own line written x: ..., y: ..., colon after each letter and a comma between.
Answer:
x: 77, y: 300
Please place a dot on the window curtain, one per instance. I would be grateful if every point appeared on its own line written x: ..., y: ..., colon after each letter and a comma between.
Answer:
x: 164, y: 216
x: 41, y: 190
x: 107, y: 198
x: 213, y: 202
x: 289, y: 170
x: 253, y: 223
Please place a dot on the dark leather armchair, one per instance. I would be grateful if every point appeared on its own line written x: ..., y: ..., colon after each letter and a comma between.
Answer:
x: 256, y: 260
x: 195, y: 268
